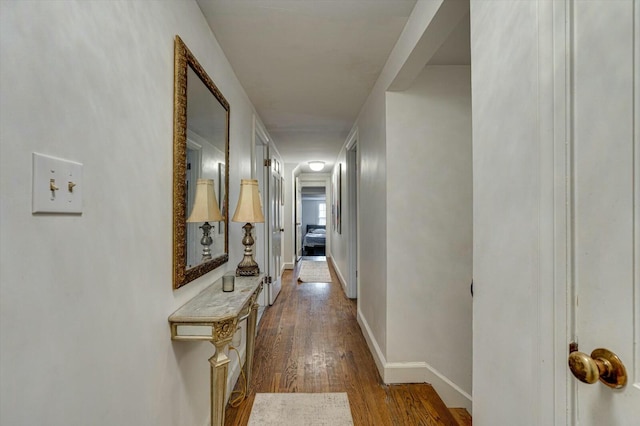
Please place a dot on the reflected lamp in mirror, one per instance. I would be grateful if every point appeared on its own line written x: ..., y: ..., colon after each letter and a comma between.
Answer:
x: 249, y: 210
x: 205, y: 209
x: 316, y: 166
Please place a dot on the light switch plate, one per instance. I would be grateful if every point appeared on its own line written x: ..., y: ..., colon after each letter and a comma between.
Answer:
x: 57, y: 185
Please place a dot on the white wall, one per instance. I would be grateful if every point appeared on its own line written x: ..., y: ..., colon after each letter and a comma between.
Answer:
x: 371, y: 125
x: 310, y: 211
x: 429, y: 228
x: 340, y: 241
x: 288, y: 238
x: 401, y: 351
x: 85, y: 299
x: 513, y: 68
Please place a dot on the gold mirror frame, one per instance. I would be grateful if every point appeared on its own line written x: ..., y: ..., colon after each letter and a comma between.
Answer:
x: 183, y: 60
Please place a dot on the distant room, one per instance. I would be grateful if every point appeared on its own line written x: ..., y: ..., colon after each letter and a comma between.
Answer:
x: 314, y: 220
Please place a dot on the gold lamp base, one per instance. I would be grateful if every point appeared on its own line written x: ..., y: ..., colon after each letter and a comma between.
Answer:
x: 248, y: 266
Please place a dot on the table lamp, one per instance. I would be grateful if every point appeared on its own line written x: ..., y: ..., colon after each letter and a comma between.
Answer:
x: 205, y: 209
x: 249, y: 210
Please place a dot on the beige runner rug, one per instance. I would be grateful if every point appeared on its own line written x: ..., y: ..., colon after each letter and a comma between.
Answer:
x: 313, y: 271
x: 298, y: 409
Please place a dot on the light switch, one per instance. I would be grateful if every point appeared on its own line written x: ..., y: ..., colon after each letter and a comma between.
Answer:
x: 57, y: 185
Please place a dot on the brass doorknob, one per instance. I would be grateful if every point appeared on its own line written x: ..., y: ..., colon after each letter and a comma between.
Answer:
x: 602, y: 364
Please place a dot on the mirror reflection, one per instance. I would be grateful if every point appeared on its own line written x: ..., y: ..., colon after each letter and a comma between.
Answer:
x: 200, y: 170
x: 206, y: 143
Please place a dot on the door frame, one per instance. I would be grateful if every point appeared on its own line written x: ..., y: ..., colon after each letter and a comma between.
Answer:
x: 564, y: 142
x: 297, y: 225
x: 324, y: 180
x: 353, y: 184
x: 555, y: 35
x: 261, y: 230
x: 558, y: 38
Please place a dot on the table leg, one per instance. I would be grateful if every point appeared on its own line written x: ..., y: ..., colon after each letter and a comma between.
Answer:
x: 219, y: 370
x: 251, y: 338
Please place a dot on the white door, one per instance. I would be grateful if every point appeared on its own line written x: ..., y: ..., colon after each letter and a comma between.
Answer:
x: 605, y: 169
x: 298, y: 219
x: 261, y: 233
x: 275, y: 225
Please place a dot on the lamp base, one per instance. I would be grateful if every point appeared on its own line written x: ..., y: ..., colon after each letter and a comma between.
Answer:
x: 206, y: 241
x: 248, y: 266
x: 248, y: 271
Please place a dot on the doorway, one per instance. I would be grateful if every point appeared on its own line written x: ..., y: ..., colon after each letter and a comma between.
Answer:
x: 313, y: 201
x: 268, y: 235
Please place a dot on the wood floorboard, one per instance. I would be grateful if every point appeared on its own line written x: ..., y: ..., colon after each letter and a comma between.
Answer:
x: 310, y: 341
x: 462, y: 416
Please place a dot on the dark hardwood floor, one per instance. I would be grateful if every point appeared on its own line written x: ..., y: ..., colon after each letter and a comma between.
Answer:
x: 310, y: 341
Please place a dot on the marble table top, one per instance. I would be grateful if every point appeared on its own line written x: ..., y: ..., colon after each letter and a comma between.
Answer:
x: 214, y: 305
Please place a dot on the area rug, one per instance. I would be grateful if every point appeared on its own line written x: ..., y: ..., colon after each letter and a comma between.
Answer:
x: 297, y: 409
x: 313, y: 271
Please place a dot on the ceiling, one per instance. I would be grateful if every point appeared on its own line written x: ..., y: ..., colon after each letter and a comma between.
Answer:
x: 307, y: 65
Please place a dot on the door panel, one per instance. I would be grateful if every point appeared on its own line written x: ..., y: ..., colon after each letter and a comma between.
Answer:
x: 275, y: 255
x: 605, y: 201
x: 260, y: 233
x: 298, y: 219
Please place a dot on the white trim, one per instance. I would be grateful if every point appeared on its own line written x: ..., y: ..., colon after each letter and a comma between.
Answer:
x: 195, y: 141
x: 288, y: 265
x: 343, y: 282
x: 352, y: 139
x: 636, y: 190
x: 260, y: 130
x: 562, y: 235
x: 443, y: 20
x: 319, y: 179
x: 404, y: 372
x: 372, y: 343
x: 415, y: 372
x: 352, y: 202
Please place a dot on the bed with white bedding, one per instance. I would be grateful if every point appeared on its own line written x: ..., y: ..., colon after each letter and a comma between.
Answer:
x: 314, y: 240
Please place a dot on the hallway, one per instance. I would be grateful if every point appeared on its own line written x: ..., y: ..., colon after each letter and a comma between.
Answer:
x: 310, y: 341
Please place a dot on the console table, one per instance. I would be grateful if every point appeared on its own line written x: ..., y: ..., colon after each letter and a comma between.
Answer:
x: 213, y: 315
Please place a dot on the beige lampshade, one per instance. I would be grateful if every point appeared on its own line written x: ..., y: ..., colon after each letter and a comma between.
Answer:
x: 205, y: 208
x: 249, y: 207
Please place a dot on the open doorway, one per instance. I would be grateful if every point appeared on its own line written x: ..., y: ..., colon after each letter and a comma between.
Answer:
x: 313, y: 220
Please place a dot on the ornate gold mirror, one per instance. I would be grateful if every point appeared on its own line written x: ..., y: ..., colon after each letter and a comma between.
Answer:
x: 200, y: 170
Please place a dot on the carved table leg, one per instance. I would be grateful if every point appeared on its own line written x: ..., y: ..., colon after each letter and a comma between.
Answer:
x: 219, y: 370
x: 251, y: 338
x: 222, y: 334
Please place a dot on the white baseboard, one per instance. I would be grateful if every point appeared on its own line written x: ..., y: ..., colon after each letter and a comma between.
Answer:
x: 343, y: 282
x: 419, y: 372
x: 415, y: 372
x: 288, y: 265
x: 372, y: 343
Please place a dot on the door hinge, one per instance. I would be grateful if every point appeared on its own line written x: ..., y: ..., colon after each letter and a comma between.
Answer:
x: 267, y: 162
x: 573, y: 347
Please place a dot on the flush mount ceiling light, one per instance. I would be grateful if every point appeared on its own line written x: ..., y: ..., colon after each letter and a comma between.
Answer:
x: 316, y: 166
